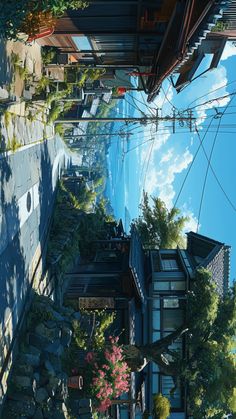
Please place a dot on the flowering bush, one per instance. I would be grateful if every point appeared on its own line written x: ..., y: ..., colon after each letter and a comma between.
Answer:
x: 108, y: 374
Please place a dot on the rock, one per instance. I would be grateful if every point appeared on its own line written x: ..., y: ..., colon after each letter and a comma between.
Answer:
x: 50, y: 334
x: 33, y: 350
x: 66, y: 336
x: 19, y: 396
x: 55, y: 348
x: 49, y: 409
x: 16, y: 409
x: 23, y: 369
x: 60, y: 411
x: 33, y: 360
x: 57, y: 316
x: 41, y: 395
x: 38, y: 414
x: 23, y: 381
x: 55, y: 361
x: 50, y: 324
x: 39, y: 341
x: 36, y: 377
x: 49, y: 368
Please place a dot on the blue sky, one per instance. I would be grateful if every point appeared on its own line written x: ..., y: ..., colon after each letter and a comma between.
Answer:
x: 160, y: 166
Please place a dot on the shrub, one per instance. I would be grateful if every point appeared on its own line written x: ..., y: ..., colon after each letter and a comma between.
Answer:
x: 161, y: 407
x: 107, y: 375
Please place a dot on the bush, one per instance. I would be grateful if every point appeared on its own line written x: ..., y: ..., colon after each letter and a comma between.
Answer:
x: 161, y: 407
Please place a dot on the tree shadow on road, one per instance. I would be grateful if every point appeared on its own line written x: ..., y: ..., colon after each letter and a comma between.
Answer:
x: 13, y: 275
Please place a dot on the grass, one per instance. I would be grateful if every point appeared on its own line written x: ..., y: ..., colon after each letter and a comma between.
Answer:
x: 7, y: 118
x: 60, y: 130
x: 13, y: 144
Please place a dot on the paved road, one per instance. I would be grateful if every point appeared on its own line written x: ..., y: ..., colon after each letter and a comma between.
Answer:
x: 27, y: 186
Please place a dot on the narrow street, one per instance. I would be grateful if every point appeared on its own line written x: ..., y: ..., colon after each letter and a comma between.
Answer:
x: 28, y: 180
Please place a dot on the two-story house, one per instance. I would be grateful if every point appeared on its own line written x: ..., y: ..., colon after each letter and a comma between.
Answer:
x: 144, y: 37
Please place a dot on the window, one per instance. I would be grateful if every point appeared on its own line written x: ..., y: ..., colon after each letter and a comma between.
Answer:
x: 172, y: 319
x: 169, y: 264
x: 171, y: 303
x: 82, y: 43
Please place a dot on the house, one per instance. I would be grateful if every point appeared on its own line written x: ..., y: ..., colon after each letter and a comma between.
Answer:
x: 148, y: 39
x: 211, y: 46
x: 147, y: 290
x: 172, y: 272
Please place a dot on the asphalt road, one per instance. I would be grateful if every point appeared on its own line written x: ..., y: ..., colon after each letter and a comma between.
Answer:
x: 28, y: 179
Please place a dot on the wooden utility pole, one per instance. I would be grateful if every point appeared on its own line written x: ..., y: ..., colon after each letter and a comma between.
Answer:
x: 144, y: 120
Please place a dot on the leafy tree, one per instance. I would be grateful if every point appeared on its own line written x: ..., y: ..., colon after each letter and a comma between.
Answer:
x: 159, y: 227
x: 209, y: 369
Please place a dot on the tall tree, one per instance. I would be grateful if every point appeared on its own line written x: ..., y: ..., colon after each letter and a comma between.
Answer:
x: 159, y: 227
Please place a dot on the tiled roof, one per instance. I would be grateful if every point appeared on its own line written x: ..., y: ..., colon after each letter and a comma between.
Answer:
x: 215, y: 256
x: 189, y: 43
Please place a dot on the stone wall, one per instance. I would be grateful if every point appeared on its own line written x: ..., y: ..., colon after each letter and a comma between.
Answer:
x: 37, y: 386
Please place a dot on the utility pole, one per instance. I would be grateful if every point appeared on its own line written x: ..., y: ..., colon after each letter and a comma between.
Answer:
x: 144, y: 120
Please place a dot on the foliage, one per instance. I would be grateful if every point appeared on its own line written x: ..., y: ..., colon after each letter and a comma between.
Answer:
x: 42, y: 85
x: 80, y: 336
x: 7, y: 118
x: 104, y: 321
x: 210, y: 370
x: 159, y: 227
x: 48, y: 54
x: 220, y: 26
x: 60, y: 130
x: 108, y: 374
x: 161, y: 407
x: 14, y: 14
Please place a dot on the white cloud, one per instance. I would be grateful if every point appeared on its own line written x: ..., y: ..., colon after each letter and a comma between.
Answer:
x: 160, y: 182
x: 229, y: 51
x: 167, y: 156
x: 191, y: 224
x: 216, y: 80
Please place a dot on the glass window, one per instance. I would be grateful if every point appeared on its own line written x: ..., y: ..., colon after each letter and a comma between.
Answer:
x: 82, y: 42
x: 155, y: 384
x: 172, y: 319
x: 156, y: 303
x: 171, y: 303
x: 161, y: 286
x: 169, y: 264
x: 178, y: 285
x: 156, y: 319
x: 167, y: 385
x: 156, y: 336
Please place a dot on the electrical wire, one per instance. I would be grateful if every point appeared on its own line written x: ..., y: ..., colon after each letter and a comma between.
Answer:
x: 212, y: 91
x: 209, y: 163
x: 191, y: 164
x: 214, y: 173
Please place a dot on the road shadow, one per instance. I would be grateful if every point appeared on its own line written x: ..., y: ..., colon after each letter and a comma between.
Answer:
x: 13, y: 276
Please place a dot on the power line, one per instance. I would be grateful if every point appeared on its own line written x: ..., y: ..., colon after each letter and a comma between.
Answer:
x: 214, y: 173
x: 191, y: 164
x: 208, y: 165
x: 212, y: 91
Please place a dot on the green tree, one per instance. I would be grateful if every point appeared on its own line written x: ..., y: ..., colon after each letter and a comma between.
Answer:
x: 159, y: 227
x: 209, y: 369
